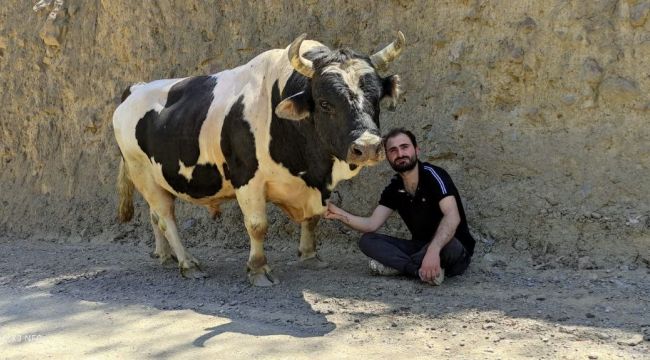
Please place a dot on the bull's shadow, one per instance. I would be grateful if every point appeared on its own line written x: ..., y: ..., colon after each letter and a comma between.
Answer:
x: 277, y: 310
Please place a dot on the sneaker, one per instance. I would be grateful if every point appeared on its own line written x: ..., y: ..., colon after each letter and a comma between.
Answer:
x: 378, y: 268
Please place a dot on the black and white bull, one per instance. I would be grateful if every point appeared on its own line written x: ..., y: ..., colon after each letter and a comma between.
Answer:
x: 286, y: 127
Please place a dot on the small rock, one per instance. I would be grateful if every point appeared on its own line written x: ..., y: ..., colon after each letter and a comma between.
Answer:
x: 569, y: 99
x: 646, y: 334
x: 633, y: 341
x: 619, y: 88
x: 590, y: 315
x: 639, y: 14
x: 593, y: 357
x: 585, y: 263
x: 517, y: 55
x: 527, y: 24
x: 187, y: 224
x: 50, y: 34
x: 521, y: 244
x: 591, y: 71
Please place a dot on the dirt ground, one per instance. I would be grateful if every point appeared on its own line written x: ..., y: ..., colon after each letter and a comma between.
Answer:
x: 63, y: 299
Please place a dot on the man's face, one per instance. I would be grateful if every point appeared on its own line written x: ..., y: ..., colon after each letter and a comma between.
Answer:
x: 400, y: 153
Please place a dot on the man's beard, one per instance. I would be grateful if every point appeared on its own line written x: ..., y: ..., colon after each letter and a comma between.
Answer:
x: 403, y: 167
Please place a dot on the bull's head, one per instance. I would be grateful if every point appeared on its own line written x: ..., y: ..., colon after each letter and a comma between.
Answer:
x: 342, y: 96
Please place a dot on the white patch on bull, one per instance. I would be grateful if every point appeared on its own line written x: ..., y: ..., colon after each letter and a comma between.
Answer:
x: 351, y: 71
x: 185, y: 171
x: 341, y: 171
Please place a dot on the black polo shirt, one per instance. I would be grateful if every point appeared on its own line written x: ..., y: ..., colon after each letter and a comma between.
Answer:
x: 421, y: 212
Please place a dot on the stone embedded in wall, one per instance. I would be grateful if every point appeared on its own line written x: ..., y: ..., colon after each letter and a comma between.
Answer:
x: 50, y: 34
x: 532, y: 114
x: 639, y: 14
x: 568, y: 99
x: 440, y: 40
x: 527, y: 25
x: 456, y: 52
x: 619, y: 88
x: 3, y: 46
x: 52, y: 31
x: 517, y: 55
x: 592, y: 72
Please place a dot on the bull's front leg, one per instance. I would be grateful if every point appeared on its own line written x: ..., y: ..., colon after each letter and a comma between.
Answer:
x: 252, y: 202
x: 307, y: 249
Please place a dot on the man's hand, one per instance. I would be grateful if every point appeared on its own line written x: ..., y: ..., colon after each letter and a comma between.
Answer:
x: 334, y: 212
x: 430, y: 267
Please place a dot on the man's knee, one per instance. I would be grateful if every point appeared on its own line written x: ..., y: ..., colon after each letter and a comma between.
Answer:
x: 454, y: 258
x: 452, y: 252
x: 366, y: 241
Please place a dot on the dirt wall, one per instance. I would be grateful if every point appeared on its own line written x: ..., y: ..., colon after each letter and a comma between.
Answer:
x: 538, y: 109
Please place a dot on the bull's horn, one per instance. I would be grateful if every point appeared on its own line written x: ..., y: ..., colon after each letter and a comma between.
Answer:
x: 382, y: 58
x: 299, y: 63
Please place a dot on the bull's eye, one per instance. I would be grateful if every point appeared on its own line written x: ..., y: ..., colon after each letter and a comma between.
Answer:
x: 326, y: 106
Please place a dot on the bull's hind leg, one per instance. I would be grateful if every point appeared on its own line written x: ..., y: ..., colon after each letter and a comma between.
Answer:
x: 161, y: 205
x: 307, y: 249
x: 252, y: 202
x: 162, y: 251
x: 188, y: 265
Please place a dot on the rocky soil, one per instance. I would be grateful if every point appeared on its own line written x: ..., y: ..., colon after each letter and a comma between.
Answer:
x: 538, y: 109
x: 66, y: 299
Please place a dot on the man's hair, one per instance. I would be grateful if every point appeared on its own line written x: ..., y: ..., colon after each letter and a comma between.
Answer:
x: 397, y: 131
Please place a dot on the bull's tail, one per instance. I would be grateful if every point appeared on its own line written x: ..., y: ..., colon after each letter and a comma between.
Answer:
x: 125, y: 190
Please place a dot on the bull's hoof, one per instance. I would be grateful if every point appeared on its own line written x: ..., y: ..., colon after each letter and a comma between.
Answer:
x: 192, y: 270
x: 262, y: 278
x: 312, y: 263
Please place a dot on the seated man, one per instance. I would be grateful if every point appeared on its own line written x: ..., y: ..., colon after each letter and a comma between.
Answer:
x: 428, y: 202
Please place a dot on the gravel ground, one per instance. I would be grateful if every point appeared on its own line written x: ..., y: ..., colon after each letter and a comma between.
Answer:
x: 60, y: 298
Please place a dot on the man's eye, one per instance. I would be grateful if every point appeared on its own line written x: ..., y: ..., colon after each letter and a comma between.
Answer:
x: 325, y: 105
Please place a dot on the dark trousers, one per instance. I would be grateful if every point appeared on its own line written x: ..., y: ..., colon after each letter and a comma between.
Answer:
x: 407, y: 255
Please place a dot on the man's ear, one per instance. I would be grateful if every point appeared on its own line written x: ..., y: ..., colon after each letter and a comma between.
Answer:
x: 295, y: 107
x: 391, y: 91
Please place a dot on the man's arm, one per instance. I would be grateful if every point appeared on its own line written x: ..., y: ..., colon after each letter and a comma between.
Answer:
x: 430, y: 267
x: 359, y: 223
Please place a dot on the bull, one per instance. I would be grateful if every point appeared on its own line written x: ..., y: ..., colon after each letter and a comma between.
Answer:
x: 285, y: 128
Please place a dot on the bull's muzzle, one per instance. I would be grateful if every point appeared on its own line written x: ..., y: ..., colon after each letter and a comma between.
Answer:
x: 366, y: 149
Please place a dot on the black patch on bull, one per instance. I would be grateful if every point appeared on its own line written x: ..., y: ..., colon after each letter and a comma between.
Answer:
x: 296, y: 145
x: 173, y: 135
x: 238, y: 146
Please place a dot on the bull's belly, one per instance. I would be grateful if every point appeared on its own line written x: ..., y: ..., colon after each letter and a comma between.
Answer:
x: 211, y: 199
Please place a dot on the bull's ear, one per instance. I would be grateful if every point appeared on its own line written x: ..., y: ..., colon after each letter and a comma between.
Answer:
x: 391, y: 91
x: 295, y: 107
